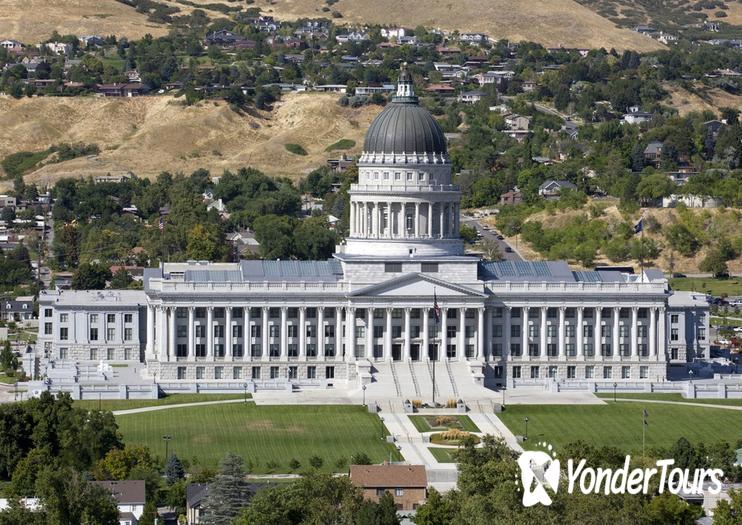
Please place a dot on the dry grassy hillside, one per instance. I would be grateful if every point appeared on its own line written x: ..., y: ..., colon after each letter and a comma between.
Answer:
x: 725, y: 222
x: 33, y: 21
x: 550, y: 22
x: 707, y: 99
x: 150, y: 134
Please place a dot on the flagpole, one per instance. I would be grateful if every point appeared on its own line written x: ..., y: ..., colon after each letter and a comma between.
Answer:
x: 641, y: 249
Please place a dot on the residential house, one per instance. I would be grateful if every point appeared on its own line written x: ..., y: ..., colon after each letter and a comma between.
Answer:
x: 31, y: 63
x: 692, y: 201
x: 470, y: 97
x: 518, y: 122
x: 645, y: 30
x: 130, y: 498
x: 494, y: 77
x: 353, y: 36
x: 196, y: 493
x: 473, y: 38
x: 667, y: 38
x: 63, y: 280
x: 331, y: 88
x: 393, y: 32
x: 408, y: 484
x: 637, y: 117
x: 264, y: 24
x: 116, y: 177
x: 58, y: 48
x: 551, y: 189
x: 11, y: 46
x: 127, y: 89
x: 7, y: 201
x: 19, y: 309
x: 342, y: 163
x: 513, y: 196
x: 228, y: 39
x: 713, y: 127
x: 451, y: 71
x: 445, y: 90
x: 653, y: 152
x: 91, y: 41
x: 370, y: 89
x: 528, y: 86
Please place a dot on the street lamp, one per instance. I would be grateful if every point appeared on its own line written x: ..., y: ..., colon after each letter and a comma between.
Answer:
x: 614, y: 391
x: 525, y: 436
x: 364, y: 394
x: 245, y: 385
x: 381, y: 422
x: 690, y: 374
x: 166, y: 439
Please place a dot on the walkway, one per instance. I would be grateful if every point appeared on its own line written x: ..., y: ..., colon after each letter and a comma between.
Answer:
x: 155, y: 408
x: 682, y: 403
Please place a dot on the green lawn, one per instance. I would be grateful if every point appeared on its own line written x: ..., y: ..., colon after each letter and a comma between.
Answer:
x: 427, y: 423
x: 620, y: 424
x: 443, y: 455
x: 672, y: 397
x: 732, y: 286
x: 175, y: 399
x: 262, y: 434
x: 341, y: 144
x: 721, y: 321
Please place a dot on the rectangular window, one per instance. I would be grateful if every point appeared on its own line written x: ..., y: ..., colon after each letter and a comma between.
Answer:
x: 643, y: 372
x: 128, y: 318
x: 625, y: 372
x: 701, y: 334
x: 218, y: 372
x: 587, y: 331
x: 256, y: 350
x: 497, y: 330
x: 516, y: 372
x: 63, y: 334
x: 330, y: 331
x: 219, y: 331
x: 199, y: 372
x: 534, y: 372
x: 378, y: 331
x: 93, y: 354
x: 569, y: 330
x: 181, y: 372
x: 200, y: 350
x: 311, y: 372
x: 589, y: 350
x: 93, y: 334
x: 469, y: 330
x: 392, y: 267
x: 255, y: 330
x: 570, y: 350
x: 181, y: 350
x: 533, y: 331
x: 93, y: 318
x: 674, y: 354
x: 571, y: 372
x: 515, y: 330
x: 329, y: 372
x: 533, y: 350
x: 551, y: 330
x: 451, y: 332
x: 641, y: 331
x: 237, y: 349
x: 515, y: 349
x: 311, y: 350
x: 551, y: 350
x: 589, y: 372
x: 292, y: 330
x: 497, y: 349
x: 623, y: 331
x: 552, y: 372
x: 396, y: 332
x: 605, y: 350
x: 674, y: 318
x: 293, y: 372
x: 237, y: 330
x: 218, y: 350
x: 275, y: 373
x: 110, y: 334
x: 674, y: 334
x: 607, y: 372
x: 181, y: 330
x: 47, y: 329
x: 274, y: 331
x: 111, y: 318
x: 237, y: 372
x: 330, y: 350
x: 255, y: 372
x: 399, y: 492
x: 63, y: 318
x: 48, y: 312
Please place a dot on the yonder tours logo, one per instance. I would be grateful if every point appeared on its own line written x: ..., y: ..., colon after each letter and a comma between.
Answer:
x: 540, y: 474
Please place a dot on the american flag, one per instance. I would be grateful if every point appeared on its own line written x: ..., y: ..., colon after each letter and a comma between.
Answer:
x: 436, y: 308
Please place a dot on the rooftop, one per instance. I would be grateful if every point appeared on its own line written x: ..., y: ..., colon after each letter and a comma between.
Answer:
x: 125, y: 492
x: 383, y: 476
x: 92, y: 297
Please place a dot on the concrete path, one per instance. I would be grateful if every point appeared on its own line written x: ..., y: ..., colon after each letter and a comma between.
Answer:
x: 682, y: 403
x: 155, y: 408
x: 491, y: 424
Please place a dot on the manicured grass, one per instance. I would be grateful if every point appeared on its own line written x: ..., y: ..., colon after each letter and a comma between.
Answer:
x: 443, y: 455
x: 7, y: 379
x: 427, y: 423
x: 722, y: 321
x: 620, y: 424
x: 732, y: 286
x: 341, y: 144
x: 672, y: 397
x: 262, y: 434
x: 175, y: 399
x: 296, y: 149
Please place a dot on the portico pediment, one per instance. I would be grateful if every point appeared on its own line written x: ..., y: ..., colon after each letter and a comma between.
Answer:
x: 417, y: 285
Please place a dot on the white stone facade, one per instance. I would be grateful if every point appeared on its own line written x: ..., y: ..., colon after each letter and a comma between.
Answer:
x: 323, y: 323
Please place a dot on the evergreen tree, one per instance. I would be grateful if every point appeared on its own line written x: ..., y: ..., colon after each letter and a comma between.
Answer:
x: 228, y: 493
x: 174, y: 469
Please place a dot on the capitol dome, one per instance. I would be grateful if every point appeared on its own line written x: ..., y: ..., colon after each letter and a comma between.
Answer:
x: 404, y: 126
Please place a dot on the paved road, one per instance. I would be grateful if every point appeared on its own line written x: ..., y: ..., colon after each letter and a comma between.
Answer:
x: 492, y: 236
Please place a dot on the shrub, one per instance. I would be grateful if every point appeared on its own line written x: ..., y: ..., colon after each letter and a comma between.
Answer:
x: 417, y: 403
x: 316, y: 462
x: 443, y: 421
x: 271, y: 465
x: 454, y: 434
x: 451, y: 403
x: 296, y: 149
x: 360, y: 458
x: 341, y: 144
x: 294, y: 464
x: 341, y: 464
